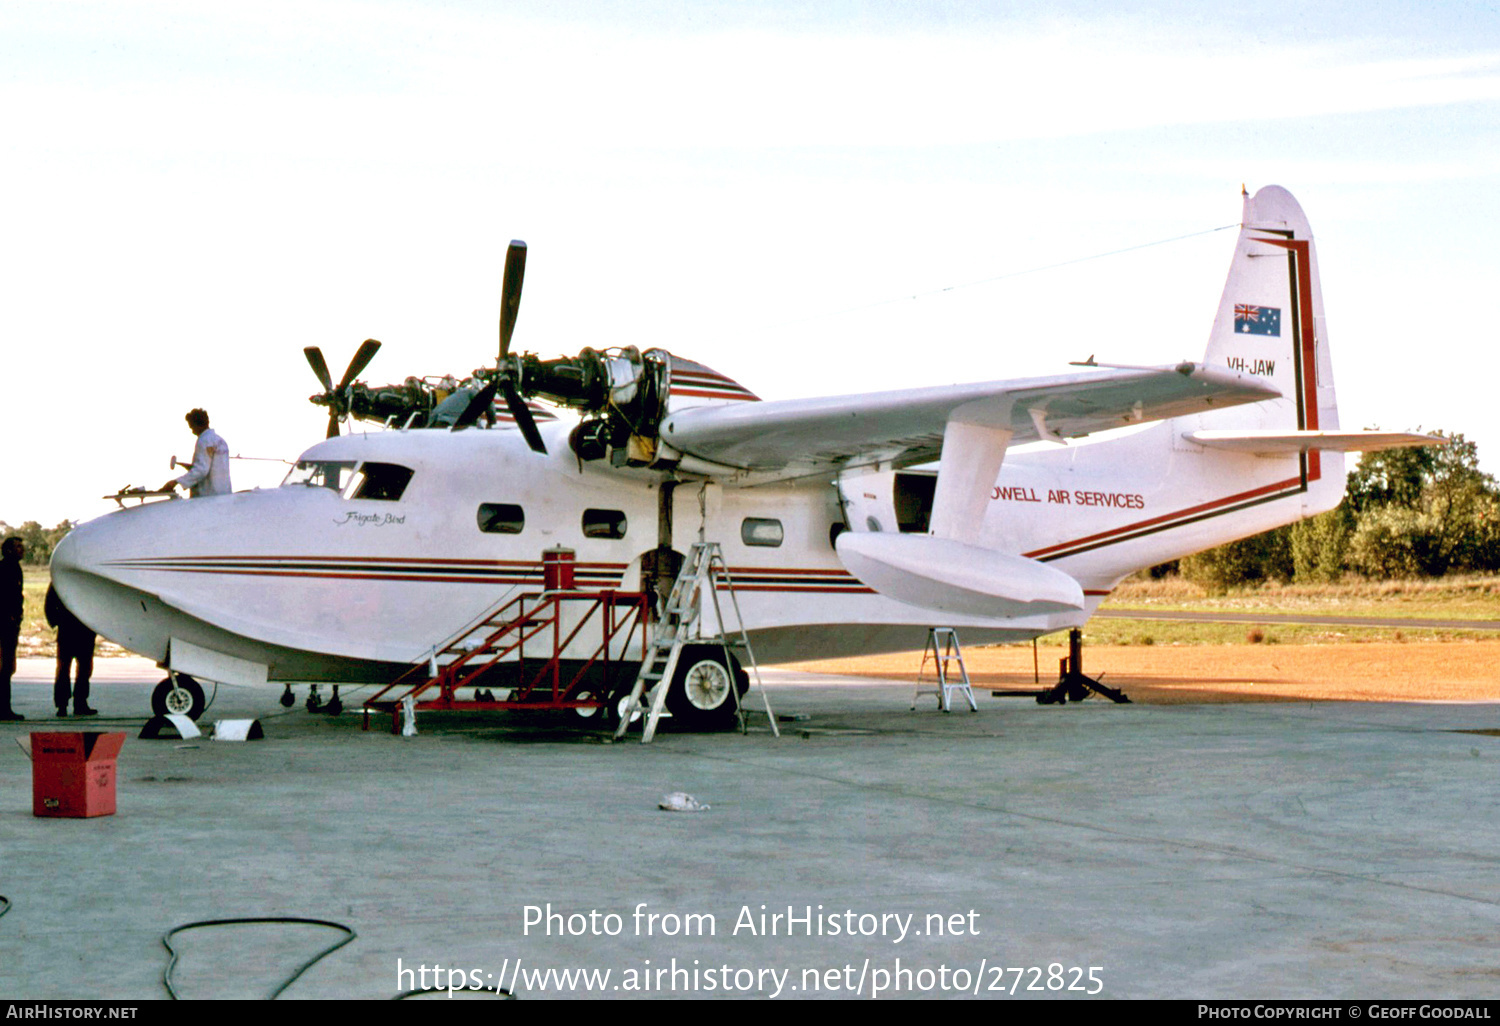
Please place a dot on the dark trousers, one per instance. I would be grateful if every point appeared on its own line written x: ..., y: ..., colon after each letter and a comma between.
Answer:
x: 10, y: 640
x: 69, y: 651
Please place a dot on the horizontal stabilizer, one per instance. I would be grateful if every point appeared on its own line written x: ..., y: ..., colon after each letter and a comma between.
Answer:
x: 952, y: 577
x: 1281, y: 443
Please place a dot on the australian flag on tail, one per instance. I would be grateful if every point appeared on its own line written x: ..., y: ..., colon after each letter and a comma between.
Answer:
x: 1256, y: 320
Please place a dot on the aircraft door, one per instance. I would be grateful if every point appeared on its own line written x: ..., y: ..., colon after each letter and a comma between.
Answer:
x: 868, y: 499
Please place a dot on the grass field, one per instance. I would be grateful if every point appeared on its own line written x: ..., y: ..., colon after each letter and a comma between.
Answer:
x: 1472, y: 597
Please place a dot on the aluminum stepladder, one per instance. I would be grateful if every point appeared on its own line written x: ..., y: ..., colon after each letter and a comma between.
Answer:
x: 941, y: 655
x: 676, y: 627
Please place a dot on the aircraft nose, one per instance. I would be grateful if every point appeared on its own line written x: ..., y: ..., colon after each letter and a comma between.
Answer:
x: 91, y: 583
x: 70, y: 554
x: 77, y: 563
x: 88, y: 547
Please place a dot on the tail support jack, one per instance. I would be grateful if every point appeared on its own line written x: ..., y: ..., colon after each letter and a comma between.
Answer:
x: 1072, y: 682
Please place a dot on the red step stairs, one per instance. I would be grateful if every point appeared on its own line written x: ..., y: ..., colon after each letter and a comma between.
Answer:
x: 540, y: 680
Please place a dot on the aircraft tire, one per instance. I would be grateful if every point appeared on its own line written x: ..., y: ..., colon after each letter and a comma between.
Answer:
x: 599, y: 716
x: 185, y: 698
x: 700, y: 698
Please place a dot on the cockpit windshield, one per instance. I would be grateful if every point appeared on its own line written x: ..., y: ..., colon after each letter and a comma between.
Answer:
x: 334, y: 474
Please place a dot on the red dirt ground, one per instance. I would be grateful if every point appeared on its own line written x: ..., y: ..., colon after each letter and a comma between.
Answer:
x: 1454, y: 671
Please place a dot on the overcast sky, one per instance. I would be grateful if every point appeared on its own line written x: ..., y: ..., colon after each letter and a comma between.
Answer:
x: 813, y: 199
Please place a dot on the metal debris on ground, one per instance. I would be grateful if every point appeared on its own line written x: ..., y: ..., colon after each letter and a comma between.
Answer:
x: 679, y: 801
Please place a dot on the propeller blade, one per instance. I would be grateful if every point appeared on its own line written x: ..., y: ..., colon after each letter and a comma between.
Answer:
x: 333, y: 422
x: 476, y: 407
x: 319, y: 366
x: 367, y: 350
x: 524, y: 420
x: 510, y: 293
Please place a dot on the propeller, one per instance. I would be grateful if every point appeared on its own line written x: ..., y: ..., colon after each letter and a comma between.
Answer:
x: 507, y: 369
x: 337, y: 396
x: 481, y: 400
x: 478, y: 403
x: 510, y: 293
x: 524, y: 420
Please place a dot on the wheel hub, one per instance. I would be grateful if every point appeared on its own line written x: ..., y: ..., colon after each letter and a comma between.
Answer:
x: 707, y: 685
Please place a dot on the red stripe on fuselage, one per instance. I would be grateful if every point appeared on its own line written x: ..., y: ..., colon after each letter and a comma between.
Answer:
x: 1140, y: 525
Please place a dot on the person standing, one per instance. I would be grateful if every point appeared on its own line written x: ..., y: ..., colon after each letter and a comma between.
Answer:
x: 209, y: 474
x: 11, y: 603
x: 75, y: 643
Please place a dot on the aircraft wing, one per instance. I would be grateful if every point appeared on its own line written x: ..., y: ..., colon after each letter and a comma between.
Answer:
x: 798, y: 437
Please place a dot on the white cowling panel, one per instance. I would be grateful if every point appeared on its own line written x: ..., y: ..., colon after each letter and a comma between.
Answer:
x: 951, y: 577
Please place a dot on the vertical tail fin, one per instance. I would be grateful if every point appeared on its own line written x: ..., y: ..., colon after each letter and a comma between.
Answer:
x: 1270, y: 324
x: 1270, y: 321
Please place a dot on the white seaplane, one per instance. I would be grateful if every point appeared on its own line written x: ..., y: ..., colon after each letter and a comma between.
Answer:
x: 849, y: 524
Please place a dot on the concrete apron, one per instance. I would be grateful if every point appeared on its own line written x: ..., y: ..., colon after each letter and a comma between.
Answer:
x: 1329, y: 850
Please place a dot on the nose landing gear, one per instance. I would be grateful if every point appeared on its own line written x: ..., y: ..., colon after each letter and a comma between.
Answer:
x: 179, y: 695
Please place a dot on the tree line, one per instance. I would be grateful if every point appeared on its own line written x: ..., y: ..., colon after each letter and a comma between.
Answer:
x: 1419, y: 512
x: 40, y: 541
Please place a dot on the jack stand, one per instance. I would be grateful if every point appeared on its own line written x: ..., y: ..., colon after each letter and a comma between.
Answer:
x: 335, y: 705
x: 314, y: 702
x: 1072, y: 682
x: 287, y: 698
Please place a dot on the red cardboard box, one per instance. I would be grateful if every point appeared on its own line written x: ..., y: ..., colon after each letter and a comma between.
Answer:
x: 73, y: 773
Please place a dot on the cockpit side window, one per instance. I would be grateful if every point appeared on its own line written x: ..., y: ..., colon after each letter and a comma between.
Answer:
x: 383, y: 481
x: 333, y: 474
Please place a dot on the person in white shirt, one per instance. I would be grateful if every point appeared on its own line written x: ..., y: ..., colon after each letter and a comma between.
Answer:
x: 209, y: 474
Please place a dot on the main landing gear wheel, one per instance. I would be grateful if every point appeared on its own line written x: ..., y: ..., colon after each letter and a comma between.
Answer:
x: 700, y: 697
x: 179, y: 695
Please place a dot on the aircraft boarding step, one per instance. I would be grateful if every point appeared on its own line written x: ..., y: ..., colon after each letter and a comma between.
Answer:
x: 942, y: 655
x: 537, y: 618
x: 678, y: 627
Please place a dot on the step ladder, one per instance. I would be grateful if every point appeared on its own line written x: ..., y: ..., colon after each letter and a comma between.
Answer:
x: 943, y: 648
x: 680, y: 624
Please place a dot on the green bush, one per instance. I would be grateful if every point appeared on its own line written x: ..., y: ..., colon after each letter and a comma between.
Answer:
x: 1320, y: 546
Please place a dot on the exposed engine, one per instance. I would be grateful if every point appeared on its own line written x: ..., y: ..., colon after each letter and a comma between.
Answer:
x: 622, y: 393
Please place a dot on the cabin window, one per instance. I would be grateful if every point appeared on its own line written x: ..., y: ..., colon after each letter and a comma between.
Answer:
x: 603, y: 523
x: 383, y: 481
x: 761, y: 531
x: 321, y: 474
x: 501, y: 518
